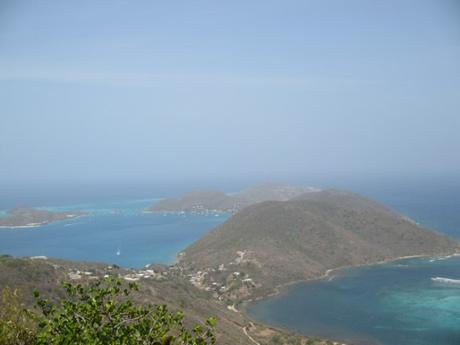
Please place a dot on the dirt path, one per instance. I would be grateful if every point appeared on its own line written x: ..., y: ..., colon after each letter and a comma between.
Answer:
x: 250, y: 338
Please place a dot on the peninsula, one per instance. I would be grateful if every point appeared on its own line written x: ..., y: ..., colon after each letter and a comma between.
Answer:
x: 25, y: 217
x: 275, y: 243
x: 215, y: 201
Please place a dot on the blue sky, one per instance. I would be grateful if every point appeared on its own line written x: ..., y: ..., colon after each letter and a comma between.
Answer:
x: 148, y: 89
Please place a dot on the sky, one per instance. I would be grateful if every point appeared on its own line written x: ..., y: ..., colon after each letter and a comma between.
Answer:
x: 151, y: 89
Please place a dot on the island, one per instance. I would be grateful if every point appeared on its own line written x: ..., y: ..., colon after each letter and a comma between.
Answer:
x: 203, y: 202
x: 25, y: 217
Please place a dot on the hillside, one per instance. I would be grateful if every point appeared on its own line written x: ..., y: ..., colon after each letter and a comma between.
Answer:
x: 214, y: 201
x: 274, y: 243
x: 158, y: 284
x: 272, y: 192
x: 160, y: 288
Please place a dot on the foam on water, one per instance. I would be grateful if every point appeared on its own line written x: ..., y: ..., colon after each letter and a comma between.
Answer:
x: 446, y: 281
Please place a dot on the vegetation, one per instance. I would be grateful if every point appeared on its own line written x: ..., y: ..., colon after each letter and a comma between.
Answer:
x: 277, y: 243
x: 17, y: 325
x: 99, y: 313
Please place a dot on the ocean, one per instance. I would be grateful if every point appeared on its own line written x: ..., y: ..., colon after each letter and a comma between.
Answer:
x: 115, y: 232
x: 393, y: 304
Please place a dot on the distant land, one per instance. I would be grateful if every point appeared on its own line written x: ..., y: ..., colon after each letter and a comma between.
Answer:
x: 215, y: 201
x: 274, y: 243
x: 25, y: 217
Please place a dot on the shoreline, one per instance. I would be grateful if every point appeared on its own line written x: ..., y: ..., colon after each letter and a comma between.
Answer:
x: 31, y: 225
x: 282, y: 288
x: 38, y: 225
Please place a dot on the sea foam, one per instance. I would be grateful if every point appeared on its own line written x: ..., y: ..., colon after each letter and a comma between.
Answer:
x: 448, y: 281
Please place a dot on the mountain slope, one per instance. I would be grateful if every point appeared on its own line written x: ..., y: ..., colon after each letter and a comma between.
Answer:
x: 45, y: 275
x: 167, y: 286
x: 272, y: 192
x: 274, y: 243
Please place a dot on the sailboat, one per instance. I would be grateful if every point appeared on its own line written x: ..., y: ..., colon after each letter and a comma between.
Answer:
x: 118, y: 252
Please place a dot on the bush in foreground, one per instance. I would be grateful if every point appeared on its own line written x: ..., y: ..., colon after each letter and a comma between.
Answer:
x: 101, y: 314
x: 17, y: 324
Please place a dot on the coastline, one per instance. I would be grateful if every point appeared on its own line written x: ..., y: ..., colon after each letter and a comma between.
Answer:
x: 328, y: 274
x: 41, y: 224
x: 31, y: 225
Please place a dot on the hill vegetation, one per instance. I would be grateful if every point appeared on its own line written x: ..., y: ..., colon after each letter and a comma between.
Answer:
x: 275, y: 243
x: 98, y: 313
x: 167, y: 286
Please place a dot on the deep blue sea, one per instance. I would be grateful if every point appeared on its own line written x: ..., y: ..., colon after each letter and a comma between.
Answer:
x: 392, y: 304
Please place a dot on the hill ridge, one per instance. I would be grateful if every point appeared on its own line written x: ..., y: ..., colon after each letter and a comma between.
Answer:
x: 274, y: 243
x: 205, y: 201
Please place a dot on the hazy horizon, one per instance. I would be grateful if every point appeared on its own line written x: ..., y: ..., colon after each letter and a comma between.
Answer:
x: 266, y: 90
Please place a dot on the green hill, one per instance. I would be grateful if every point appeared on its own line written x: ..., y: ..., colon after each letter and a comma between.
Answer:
x: 274, y: 243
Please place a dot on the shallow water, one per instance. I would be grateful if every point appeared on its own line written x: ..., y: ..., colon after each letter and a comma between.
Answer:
x: 110, y: 228
x: 391, y: 304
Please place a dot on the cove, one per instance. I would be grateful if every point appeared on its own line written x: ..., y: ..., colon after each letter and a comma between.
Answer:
x: 408, y: 302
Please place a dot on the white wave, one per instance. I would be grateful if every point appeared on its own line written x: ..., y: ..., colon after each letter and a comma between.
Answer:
x: 439, y: 258
x: 72, y: 224
x: 443, y: 280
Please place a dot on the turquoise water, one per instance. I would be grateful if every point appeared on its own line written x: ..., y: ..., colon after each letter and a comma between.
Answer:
x: 391, y: 304
x: 116, y: 226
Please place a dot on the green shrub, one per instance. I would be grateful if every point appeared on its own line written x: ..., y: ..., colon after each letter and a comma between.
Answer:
x: 276, y: 340
x: 17, y: 325
x: 100, y: 314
